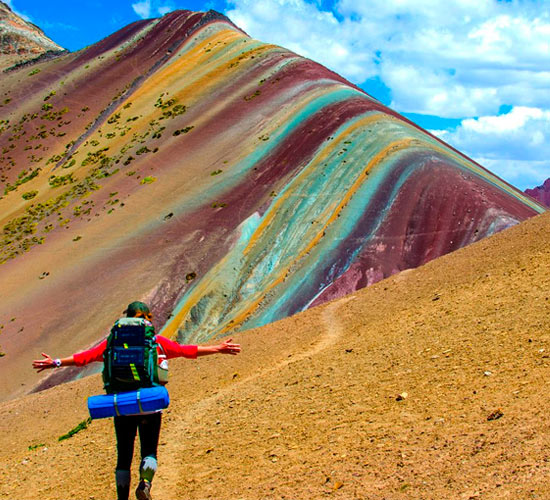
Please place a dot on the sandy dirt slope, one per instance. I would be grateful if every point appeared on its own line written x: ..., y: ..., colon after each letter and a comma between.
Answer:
x: 310, y: 408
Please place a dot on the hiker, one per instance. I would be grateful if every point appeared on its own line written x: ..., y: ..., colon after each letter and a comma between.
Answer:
x: 147, y: 423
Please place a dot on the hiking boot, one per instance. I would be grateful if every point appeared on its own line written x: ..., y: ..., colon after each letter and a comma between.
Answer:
x: 143, y: 491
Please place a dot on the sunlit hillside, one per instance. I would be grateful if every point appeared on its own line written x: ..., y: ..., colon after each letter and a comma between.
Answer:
x: 227, y: 182
x: 431, y: 384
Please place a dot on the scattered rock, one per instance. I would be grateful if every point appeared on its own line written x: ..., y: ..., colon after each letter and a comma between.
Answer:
x: 402, y: 396
x: 495, y: 415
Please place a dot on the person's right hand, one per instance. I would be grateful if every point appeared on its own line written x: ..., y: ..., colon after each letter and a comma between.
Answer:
x: 226, y: 347
x: 43, y: 364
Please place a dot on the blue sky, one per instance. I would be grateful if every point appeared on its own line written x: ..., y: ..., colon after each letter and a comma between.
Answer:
x: 474, y: 72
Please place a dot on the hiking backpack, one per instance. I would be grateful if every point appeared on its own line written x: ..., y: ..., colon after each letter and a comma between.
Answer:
x: 130, y: 360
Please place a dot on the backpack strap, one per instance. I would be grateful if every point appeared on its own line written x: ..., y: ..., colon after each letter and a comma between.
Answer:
x: 138, y: 396
x: 159, y: 345
x: 116, y: 405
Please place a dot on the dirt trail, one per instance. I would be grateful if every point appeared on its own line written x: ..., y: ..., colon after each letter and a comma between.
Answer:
x: 332, y: 331
x: 311, y: 408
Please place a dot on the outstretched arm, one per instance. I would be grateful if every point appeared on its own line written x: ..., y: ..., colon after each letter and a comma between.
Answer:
x: 78, y: 359
x: 48, y: 362
x: 225, y: 347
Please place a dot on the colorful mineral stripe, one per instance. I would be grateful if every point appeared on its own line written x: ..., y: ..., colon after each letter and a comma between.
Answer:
x: 225, y: 181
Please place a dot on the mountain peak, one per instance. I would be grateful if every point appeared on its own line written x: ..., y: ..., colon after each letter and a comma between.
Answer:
x: 21, y: 40
x: 541, y: 193
x: 226, y: 182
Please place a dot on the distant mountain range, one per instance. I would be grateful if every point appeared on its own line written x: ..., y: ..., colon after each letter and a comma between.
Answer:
x: 228, y: 182
x: 541, y: 193
x: 21, y: 40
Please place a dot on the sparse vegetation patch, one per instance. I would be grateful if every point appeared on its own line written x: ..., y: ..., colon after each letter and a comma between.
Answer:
x: 29, y: 195
x: 80, y: 427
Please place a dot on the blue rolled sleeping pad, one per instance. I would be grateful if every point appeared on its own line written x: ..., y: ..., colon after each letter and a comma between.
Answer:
x: 144, y: 400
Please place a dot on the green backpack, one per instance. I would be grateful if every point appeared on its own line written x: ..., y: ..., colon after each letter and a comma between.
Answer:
x: 130, y: 360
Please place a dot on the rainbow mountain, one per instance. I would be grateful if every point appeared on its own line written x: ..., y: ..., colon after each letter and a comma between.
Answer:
x: 225, y: 181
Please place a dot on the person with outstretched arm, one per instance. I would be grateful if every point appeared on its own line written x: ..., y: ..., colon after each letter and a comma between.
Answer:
x: 148, y: 424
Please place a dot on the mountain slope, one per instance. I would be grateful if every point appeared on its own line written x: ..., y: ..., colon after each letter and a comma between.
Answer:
x: 226, y: 181
x: 541, y: 193
x: 21, y: 41
x: 309, y: 409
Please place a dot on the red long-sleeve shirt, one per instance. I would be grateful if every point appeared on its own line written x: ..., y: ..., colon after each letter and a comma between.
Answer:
x: 172, y: 350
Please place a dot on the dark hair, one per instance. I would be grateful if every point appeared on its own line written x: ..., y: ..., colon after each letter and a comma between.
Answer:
x: 138, y: 309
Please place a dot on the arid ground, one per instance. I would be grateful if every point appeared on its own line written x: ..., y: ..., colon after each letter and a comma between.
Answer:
x: 429, y: 385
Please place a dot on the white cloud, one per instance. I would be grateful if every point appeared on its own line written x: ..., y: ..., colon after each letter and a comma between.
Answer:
x: 457, y: 59
x: 521, y: 174
x: 149, y: 8
x: 463, y: 59
x: 515, y: 145
x: 164, y: 10
x: 522, y: 133
x: 142, y: 9
x: 15, y: 11
x: 303, y: 28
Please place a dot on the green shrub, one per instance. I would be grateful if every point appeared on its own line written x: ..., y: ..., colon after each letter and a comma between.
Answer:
x: 60, y: 180
x: 70, y: 164
x: 81, y: 426
x: 179, y: 110
x: 29, y: 195
x: 183, y: 130
x: 33, y: 447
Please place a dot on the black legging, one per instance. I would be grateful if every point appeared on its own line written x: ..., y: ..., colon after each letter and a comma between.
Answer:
x: 125, y: 429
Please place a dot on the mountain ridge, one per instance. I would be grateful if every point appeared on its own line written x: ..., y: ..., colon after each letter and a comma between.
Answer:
x: 22, y: 41
x: 227, y: 182
x: 541, y: 193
